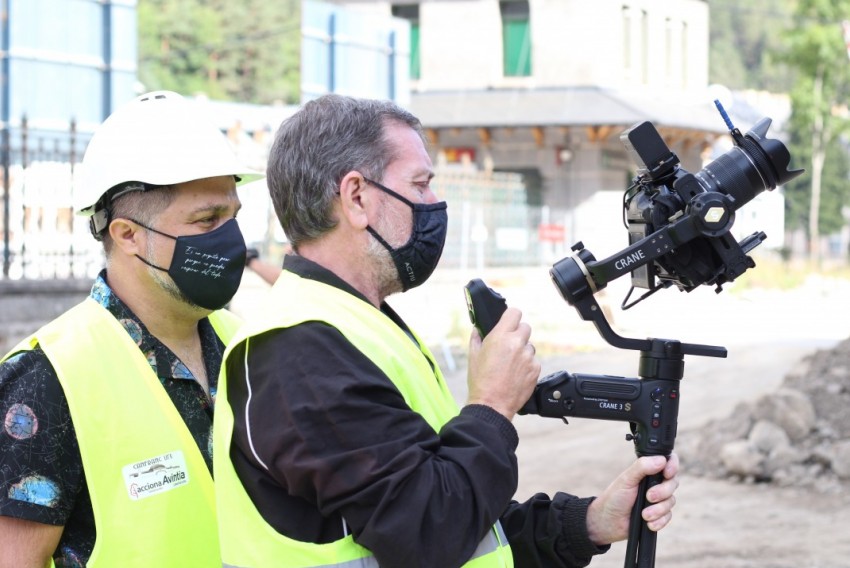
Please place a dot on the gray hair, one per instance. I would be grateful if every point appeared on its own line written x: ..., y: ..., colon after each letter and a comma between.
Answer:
x: 316, y: 147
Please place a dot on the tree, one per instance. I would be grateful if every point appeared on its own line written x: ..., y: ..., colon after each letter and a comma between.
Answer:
x: 816, y: 50
x: 745, y: 36
x: 247, y: 51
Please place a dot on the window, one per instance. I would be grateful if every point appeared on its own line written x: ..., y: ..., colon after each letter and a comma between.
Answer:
x: 516, y: 39
x: 410, y: 12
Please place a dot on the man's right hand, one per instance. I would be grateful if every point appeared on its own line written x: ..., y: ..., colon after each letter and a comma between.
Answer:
x: 503, y: 368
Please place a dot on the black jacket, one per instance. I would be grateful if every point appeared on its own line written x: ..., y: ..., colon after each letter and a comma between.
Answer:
x: 340, y: 442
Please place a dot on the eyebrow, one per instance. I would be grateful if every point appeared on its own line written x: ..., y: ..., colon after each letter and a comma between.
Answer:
x: 214, y: 208
x: 429, y: 173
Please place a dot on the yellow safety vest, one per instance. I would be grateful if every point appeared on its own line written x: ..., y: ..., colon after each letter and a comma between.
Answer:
x: 151, y: 491
x: 247, y: 540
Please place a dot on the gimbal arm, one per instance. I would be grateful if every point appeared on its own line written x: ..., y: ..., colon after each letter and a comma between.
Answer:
x: 709, y: 214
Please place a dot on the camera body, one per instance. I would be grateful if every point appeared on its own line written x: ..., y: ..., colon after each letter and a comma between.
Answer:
x: 664, y: 193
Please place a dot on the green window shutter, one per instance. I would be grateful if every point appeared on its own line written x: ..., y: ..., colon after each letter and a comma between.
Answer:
x: 517, y: 47
x: 414, y: 51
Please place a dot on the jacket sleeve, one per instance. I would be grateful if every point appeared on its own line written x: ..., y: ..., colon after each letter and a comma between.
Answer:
x: 550, y: 532
x: 335, y: 432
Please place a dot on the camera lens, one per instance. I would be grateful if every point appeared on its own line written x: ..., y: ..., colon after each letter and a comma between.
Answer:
x: 756, y: 163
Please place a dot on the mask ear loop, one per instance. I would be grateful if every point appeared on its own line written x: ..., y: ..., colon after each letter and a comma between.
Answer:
x: 158, y: 233
x: 385, y: 189
x: 152, y: 265
x: 401, y: 198
x: 152, y: 229
x: 379, y: 238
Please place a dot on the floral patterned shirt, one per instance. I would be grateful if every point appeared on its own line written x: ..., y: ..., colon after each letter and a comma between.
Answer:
x: 41, y: 471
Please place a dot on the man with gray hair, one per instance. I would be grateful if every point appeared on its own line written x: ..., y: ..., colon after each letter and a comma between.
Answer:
x: 337, y: 441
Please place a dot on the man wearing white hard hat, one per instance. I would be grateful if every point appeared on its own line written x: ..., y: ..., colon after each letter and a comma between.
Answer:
x: 105, y: 455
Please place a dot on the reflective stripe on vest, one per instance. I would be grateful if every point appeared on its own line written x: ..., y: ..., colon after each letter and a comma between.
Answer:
x: 247, y: 541
x: 151, y: 492
x: 489, y: 544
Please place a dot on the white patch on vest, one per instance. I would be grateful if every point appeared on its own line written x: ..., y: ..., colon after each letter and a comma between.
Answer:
x: 155, y: 475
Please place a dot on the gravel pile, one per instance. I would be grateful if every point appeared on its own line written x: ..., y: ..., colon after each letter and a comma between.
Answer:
x: 796, y: 436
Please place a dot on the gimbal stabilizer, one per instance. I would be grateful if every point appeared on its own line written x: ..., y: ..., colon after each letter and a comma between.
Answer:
x: 650, y: 404
x: 679, y: 227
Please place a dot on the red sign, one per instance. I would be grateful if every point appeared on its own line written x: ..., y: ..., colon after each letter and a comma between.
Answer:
x: 456, y: 155
x: 551, y: 233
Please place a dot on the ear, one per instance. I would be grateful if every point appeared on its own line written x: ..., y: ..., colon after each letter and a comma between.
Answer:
x: 354, y: 200
x: 126, y: 236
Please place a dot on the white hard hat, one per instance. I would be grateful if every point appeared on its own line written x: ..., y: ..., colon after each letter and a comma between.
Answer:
x: 159, y: 138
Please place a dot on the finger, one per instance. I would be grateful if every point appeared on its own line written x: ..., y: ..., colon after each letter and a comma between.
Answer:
x: 510, y: 320
x: 659, y: 510
x: 659, y: 523
x: 475, y: 339
x: 642, y: 467
x: 672, y: 467
x: 662, y: 491
x: 653, y: 464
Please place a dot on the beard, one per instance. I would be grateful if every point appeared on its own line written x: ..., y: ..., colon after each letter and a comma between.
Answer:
x: 164, y: 281
x: 384, y: 271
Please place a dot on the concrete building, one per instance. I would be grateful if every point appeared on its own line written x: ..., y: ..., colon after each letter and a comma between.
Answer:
x: 545, y: 87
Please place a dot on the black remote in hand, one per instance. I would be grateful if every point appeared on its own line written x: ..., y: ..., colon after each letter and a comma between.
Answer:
x: 485, y: 306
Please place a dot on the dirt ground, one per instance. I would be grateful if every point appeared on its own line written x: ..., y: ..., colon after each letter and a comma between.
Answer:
x: 718, y: 523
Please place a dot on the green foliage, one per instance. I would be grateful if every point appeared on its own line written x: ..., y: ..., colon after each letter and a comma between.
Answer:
x: 247, y: 51
x: 795, y: 46
x: 745, y: 38
x: 835, y: 188
x: 819, y: 125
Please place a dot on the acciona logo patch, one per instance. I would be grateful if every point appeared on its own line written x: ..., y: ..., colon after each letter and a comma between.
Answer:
x: 155, y: 475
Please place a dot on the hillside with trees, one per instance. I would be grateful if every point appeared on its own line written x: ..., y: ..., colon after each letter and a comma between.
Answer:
x: 796, y: 47
x: 247, y: 51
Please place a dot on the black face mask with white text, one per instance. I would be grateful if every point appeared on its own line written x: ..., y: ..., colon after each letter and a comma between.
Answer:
x: 207, y: 267
x: 418, y: 257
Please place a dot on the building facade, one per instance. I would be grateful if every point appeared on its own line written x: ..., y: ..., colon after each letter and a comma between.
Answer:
x: 545, y: 88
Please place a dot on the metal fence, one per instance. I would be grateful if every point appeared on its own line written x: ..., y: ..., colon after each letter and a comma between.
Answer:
x: 490, y: 222
x: 41, y: 236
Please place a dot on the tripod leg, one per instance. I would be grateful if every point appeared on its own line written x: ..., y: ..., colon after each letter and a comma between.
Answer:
x: 635, y: 526
x: 640, y: 550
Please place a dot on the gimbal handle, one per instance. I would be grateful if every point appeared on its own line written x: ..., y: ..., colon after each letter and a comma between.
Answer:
x: 578, y: 278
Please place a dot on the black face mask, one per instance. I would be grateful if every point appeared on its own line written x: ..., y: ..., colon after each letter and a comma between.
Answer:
x: 208, y: 267
x: 418, y: 257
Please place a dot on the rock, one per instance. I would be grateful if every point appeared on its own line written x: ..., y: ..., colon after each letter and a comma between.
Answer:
x: 798, y: 436
x: 840, y: 459
x: 766, y: 436
x: 790, y: 409
x: 742, y: 458
x: 783, y: 458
